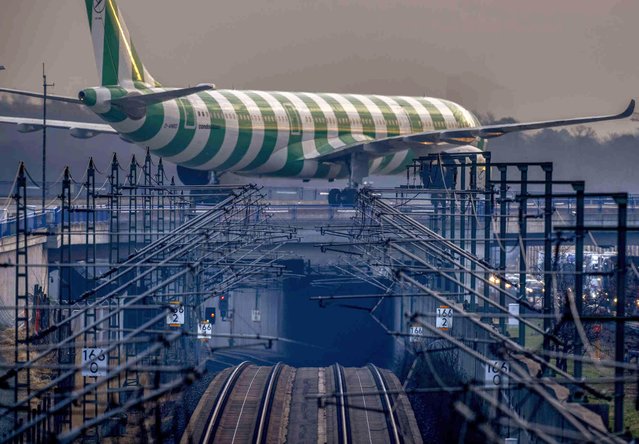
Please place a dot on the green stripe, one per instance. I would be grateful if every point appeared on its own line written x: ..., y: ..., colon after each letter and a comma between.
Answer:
x: 111, y: 58
x: 245, y: 131
x: 319, y: 123
x: 438, y: 120
x: 459, y: 116
x: 270, y: 131
x: 385, y: 161
x: 388, y: 114
x: 416, y: 124
x: 362, y: 110
x: 322, y: 171
x: 152, y: 125
x: 184, y: 135
x: 410, y: 155
x: 89, y: 4
x: 294, y: 150
x: 343, y: 124
x: 216, y: 136
x: 114, y: 115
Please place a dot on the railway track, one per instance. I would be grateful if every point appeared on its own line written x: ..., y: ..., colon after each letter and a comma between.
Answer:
x: 343, y: 417
x: 220, y: 402
x: 266, y: 406
x: 274, y: 404
x: 388, y: 405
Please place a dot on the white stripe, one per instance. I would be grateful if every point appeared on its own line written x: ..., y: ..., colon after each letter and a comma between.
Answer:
x: 381, y: 131
x: 422, y: 111
x: 257, y: 138
x: 102, y: 97
x: 332, y: 132
x: 400, y: 113
x: 395, y: 163
x: 231, y: 133
x: 449, y: 117
x: 166, y: 133
x: 200, y: 137
x: 470, y: 119
x: 97, y: 34
x: 277, y: 159
x: 353, y: 115
x: 308, y: 127
x: 309, y: 168
x: 128, y: 125
x: 275, y: 162
x: 375, y: 165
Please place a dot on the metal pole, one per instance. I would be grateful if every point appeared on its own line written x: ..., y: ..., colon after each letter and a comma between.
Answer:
x: 503, y: 214
x: 548, y: 210
x: 523, y: 233
x: 488, y: 214
x: 45, y: 86
x: 579, y: 268
x: 622, y: 203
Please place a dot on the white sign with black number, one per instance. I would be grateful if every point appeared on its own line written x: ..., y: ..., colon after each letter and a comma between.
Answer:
x: 175, y: 318
x: 496, y: 374
x: 256, y: 315
x: 94, y: 362
x: 416, y: 333
x: 513, y: 310
x: 444, y: 319
x: 204, y: 330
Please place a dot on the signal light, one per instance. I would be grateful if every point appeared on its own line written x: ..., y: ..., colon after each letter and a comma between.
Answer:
x: 210, y: 314
x: 224, y: 306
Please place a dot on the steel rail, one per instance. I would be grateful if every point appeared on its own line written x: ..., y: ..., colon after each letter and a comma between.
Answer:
x: 220, y: 403
x: 389, y: 409
x: 343, y: 420
x: 266, y: 405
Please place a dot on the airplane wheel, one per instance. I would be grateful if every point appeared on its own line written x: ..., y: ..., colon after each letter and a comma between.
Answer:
x: 349, y: 196
x: 334, y: 197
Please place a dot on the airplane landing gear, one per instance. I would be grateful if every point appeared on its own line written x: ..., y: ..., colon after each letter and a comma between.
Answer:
x: 346, y: 197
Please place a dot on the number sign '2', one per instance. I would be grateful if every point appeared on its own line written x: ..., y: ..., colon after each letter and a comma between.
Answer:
x: 175, y: 318
x: 444, y: 319
x: 94, y: 362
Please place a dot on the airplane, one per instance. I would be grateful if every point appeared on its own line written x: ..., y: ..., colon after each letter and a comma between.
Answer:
x: 260, y: 134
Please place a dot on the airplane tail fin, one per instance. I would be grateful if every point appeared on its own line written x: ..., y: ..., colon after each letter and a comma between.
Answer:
x: 117, y: 60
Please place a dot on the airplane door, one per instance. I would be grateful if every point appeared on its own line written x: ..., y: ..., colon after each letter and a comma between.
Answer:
x: 189, y: 114
x: 294, y: 119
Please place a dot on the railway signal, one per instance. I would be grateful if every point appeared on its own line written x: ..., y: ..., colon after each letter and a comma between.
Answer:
x: 224, y: 306
x: 209, y: 315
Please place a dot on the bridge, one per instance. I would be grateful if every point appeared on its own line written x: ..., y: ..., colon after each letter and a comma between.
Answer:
x: 498, y: 306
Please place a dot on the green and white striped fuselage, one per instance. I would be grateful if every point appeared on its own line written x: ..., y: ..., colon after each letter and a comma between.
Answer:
x: 279, y: 134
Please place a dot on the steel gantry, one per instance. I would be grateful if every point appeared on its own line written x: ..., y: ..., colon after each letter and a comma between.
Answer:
x: 482, y: 243
x: 124, y: 332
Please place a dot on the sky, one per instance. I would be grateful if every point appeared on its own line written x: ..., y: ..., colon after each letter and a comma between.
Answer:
x: 524, y: 59
x: 530, y: 60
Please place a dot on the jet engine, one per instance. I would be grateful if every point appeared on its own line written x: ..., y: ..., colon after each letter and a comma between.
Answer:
x: 442, y: 172
x: 192, y: 177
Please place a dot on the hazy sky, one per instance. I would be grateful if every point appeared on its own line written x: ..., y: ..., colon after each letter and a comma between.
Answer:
x: 526, y: 59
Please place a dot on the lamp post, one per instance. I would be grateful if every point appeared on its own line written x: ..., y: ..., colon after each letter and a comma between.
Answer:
x: 45, y: 85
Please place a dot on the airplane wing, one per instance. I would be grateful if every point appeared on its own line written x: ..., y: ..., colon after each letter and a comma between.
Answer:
x: 460, y: 136
x: 41, y: 96
x: 80, y: 130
